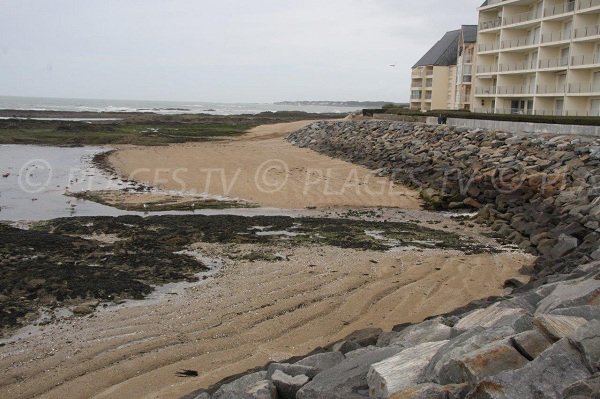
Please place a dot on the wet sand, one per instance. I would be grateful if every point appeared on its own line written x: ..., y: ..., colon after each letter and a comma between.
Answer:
x: 262, y: 168
x: 254, y: 312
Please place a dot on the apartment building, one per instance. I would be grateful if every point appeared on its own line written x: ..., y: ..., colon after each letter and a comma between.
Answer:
x: 442, y: 78
x: 538, y: 57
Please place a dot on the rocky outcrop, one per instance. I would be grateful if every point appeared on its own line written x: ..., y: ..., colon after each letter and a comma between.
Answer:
x: 540, y: 341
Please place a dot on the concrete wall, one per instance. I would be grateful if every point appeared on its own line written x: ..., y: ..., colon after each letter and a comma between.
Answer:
x: 522, y: 127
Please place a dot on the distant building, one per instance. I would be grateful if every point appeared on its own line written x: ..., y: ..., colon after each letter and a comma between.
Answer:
x: 538, y: 57
x: 441, y: 79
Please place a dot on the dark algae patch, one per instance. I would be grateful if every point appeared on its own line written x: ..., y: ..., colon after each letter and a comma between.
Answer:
x: 74, y: 260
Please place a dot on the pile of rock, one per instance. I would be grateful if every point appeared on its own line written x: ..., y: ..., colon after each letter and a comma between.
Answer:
x: 540, y: 192
x: 542, y: 341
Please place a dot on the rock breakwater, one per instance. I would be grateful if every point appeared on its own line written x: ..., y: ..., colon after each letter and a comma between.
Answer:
x: 541, y: 341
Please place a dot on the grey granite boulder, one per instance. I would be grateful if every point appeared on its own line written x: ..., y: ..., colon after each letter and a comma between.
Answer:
x: 493, y: 316
x: 344, y: 347
x: 584, y: 389
x: 466, y: 343
x: 570, y: 294
x: 546, y: 377
x: 558, y: 327
x: 588, y: 312
x: 587, y: 340
x: 287, y: 385
x: 531, y: 343
x: 251, y: 386
x: 400, y: 372
x: 291, y: 370
x: 322, y: 361
x: 364, y: 337
x: 489, y: 360
x: 347, y: 380
x: 427, y: 331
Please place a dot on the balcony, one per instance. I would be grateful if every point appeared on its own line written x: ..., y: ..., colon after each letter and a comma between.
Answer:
x: 418, y: 73
x: 557, y: 36
x: 585, y: 60
x: 515, y: 90
x: 584, y: 4
x: 519, y: 42
x: 558, y: 90
x: 522, y: 17
x: 491, y: 24
x: 482, y: 69
x: 485, y: 91
x: 551, y: 63
x: 482, y: 48
x: 415, y: 97
x: 519, y: 66
x: 559, y: 9
x: 584, y: 88
x: 588, y: 31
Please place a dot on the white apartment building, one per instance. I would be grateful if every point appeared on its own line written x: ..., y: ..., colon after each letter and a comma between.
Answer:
x: 538, y: 57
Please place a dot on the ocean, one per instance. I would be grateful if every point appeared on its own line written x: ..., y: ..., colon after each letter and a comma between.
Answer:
x: 159, y: 107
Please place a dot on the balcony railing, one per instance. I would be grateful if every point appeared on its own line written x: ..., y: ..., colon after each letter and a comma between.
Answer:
x: 415, y: 96
x: 583, y: 4
x: 586, y: 59
x: 554, y: 63
x: 491, y: 24
x: 551, y: 89
x: 587, y: 31
x: 490, y: 90
x: 514, y: 90
x: 582, y: 88
x: 519, y: 42
x: 488, y: 47
x: 549, y: 37
x: 519, y: 66
x: 487, y: 68
x: 558, y: 9
x: 522, y: 17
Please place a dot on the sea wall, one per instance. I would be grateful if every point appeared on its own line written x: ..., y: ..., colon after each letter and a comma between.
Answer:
x: 541, y: 340
x: 523, y: 127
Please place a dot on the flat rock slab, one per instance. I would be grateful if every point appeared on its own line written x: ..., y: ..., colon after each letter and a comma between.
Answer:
x: 558, y: 327
x: 489, y: 317
x: 400, y: 371
x: 322, y: 361
x: 347, y: 380
x: 567, y: 295
x: 490, y: 360
x: 531, y: 343
x: 587, y: 340
x: 546, y: 377
x: 428, y: 331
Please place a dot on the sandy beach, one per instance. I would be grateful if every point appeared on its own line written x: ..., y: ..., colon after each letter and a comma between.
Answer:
x: 254, y: 312
x: 262, y: 168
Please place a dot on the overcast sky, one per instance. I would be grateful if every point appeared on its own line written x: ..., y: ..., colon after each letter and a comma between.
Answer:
x: 221, y: 50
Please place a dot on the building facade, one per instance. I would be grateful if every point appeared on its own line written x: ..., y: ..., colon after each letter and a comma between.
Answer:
x: 538, y: 57
x: 442, y: 78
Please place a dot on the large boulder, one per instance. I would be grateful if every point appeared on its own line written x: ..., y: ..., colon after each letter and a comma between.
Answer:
x: 558, y: 327
x: 587, y: 340
x: 545, y: 377
x: 322, y: 361
x: 401, y: 371
x: 468, y: 342
x: 569, y: 294
x: 495, y: 315
x: 531, y: 343
x: 489, y: 360
x: 251, y: 386
x: 347, y: 380
x: 427, y: 331
x: 584, y: 389
x: 287, y: 385
x: 292, y: 370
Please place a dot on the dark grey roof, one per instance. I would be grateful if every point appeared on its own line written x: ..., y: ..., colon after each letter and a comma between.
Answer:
x: 444, y: 52
x: 469, y: 33
x: 485, y: 3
